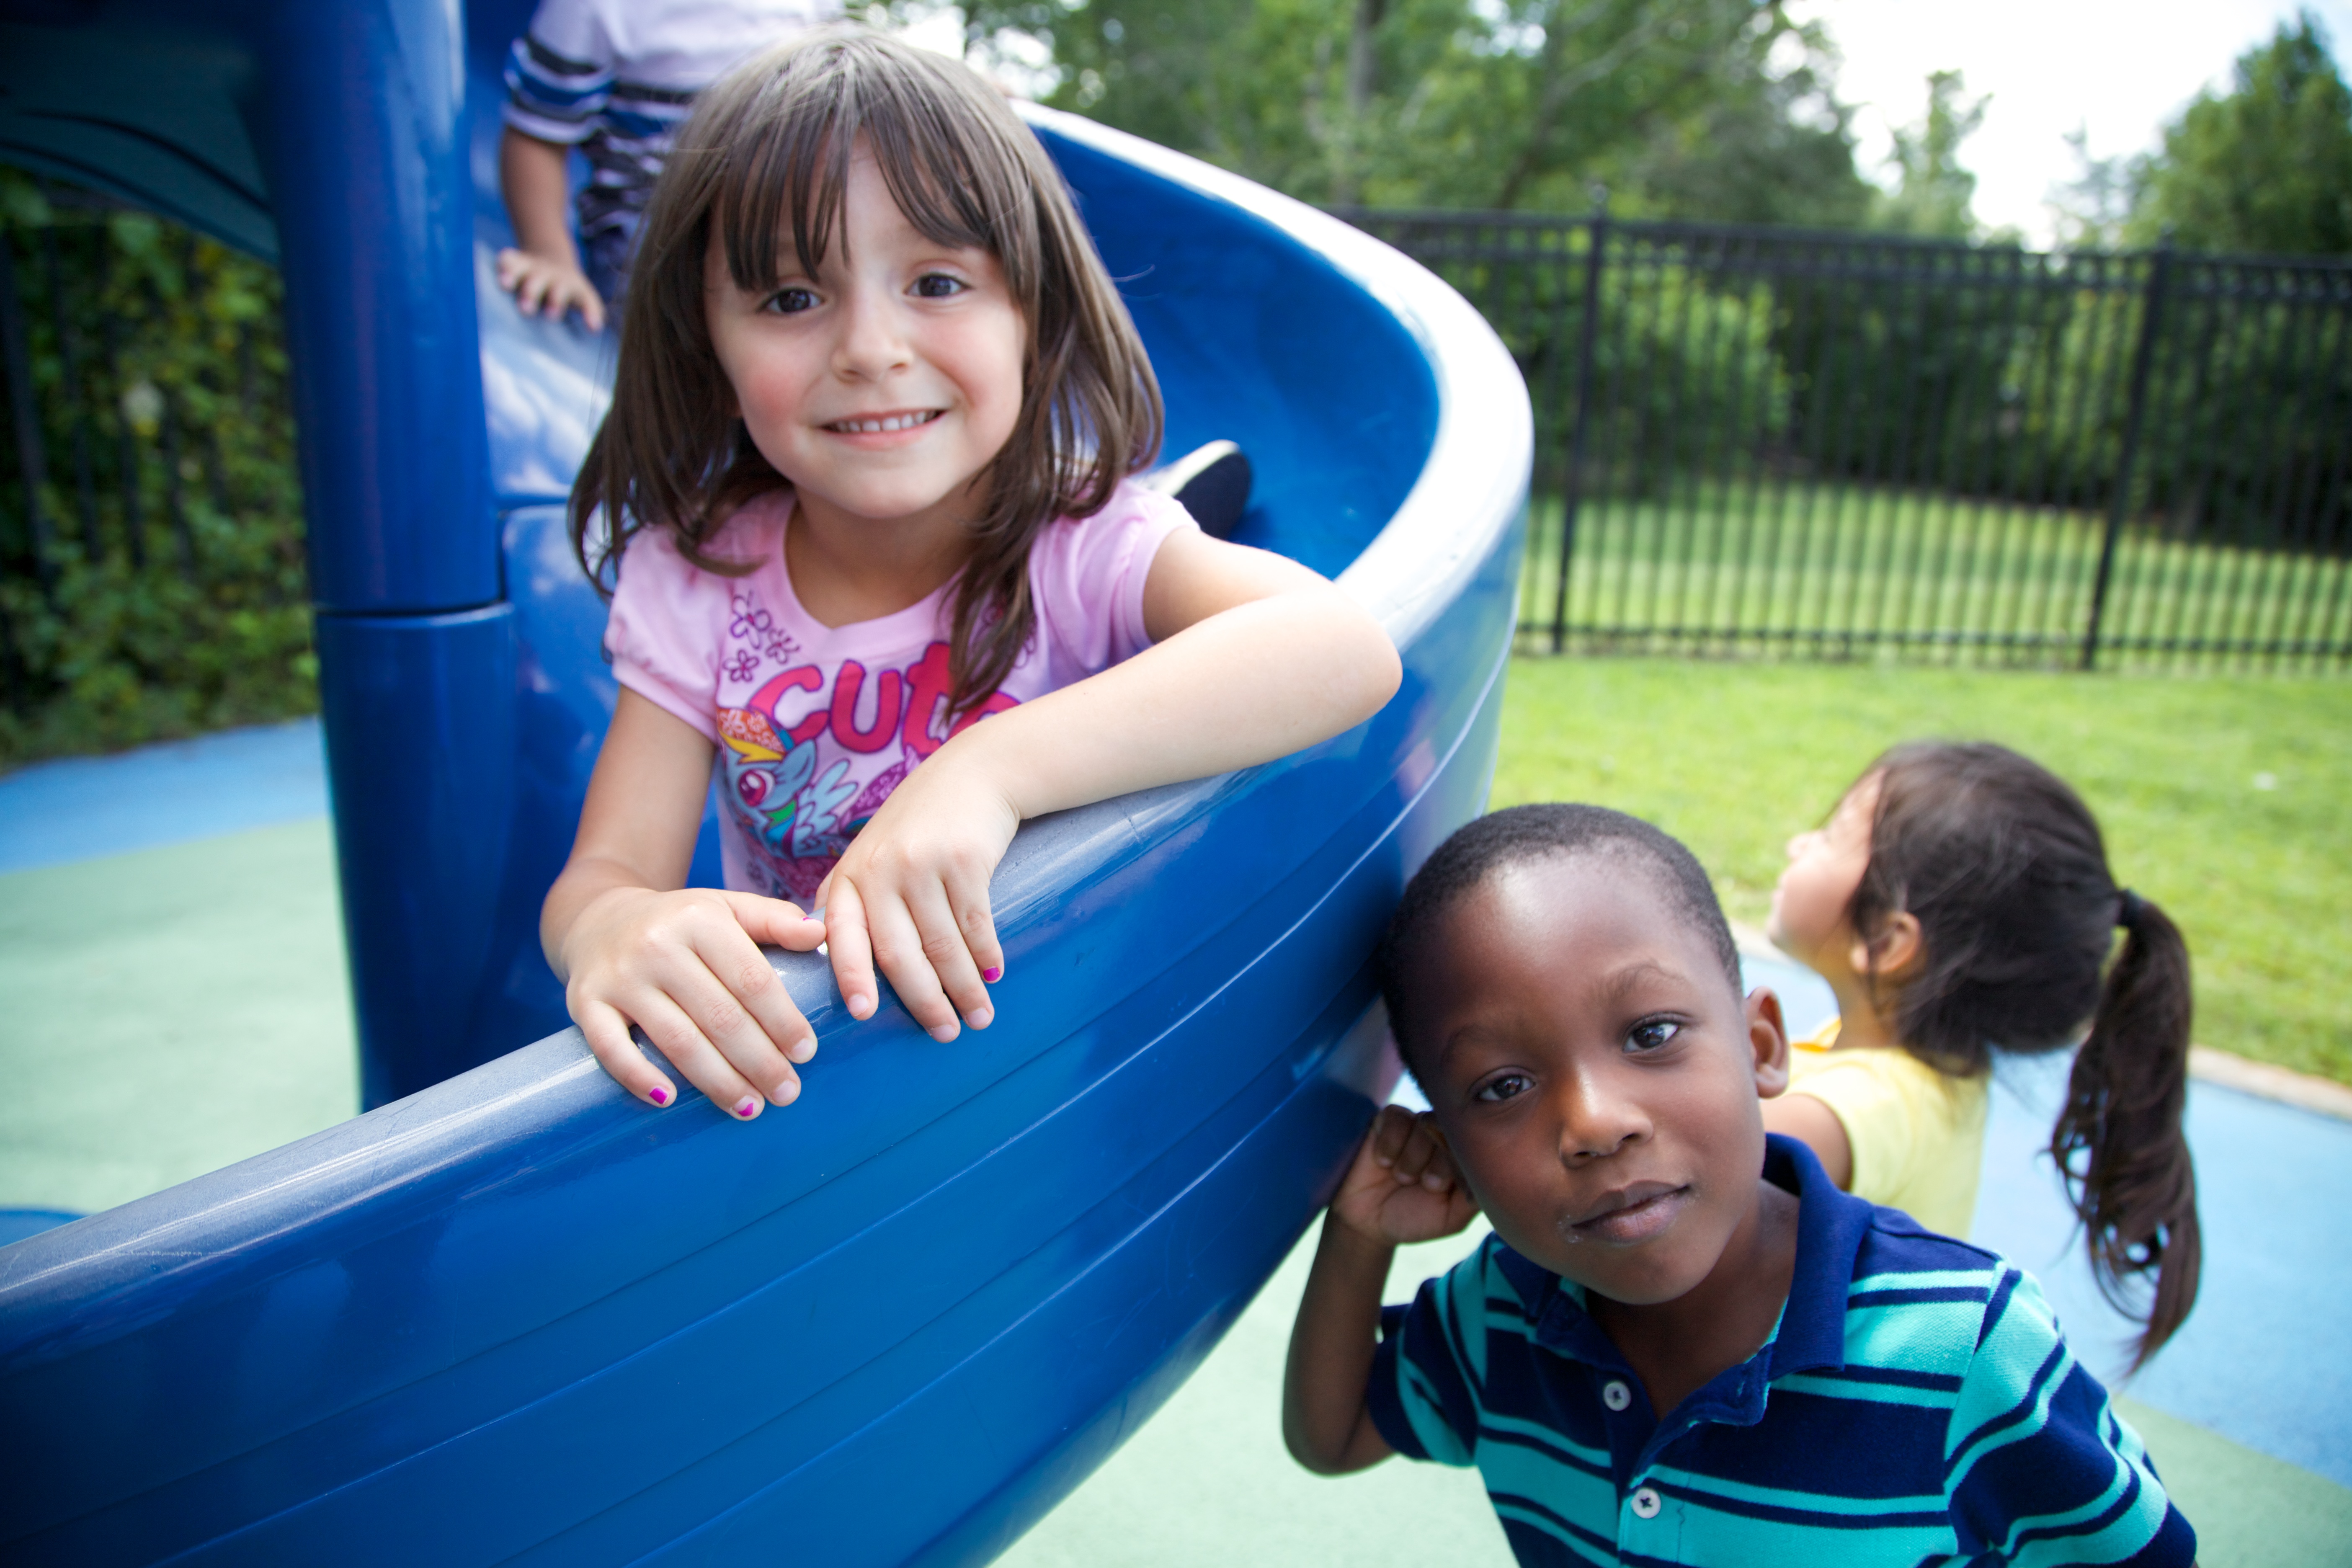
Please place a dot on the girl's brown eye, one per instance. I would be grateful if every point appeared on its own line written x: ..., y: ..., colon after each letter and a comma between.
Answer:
x: 937, y: 285
x: 790, y: 301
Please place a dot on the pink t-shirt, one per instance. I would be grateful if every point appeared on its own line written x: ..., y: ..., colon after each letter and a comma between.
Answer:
x: 815, y: 725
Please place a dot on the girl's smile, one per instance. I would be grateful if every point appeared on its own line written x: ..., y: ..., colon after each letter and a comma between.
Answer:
x: 884, y: 425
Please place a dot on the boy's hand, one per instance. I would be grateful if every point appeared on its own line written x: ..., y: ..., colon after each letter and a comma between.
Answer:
x: 685, y: 967
x: 1402, y: 1187
x: 550, y: 284
x: 911, y: 898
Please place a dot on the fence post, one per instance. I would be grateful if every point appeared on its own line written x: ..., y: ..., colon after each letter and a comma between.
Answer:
x: 1588, y: 334
x: 32, y: 463
x: 2151, y: 322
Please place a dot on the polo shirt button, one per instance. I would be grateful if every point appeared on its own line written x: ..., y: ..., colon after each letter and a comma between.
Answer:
x: 1645, y: 1503
x: 1615, y: 1395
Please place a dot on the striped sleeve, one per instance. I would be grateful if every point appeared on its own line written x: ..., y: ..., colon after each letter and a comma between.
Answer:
x: 1423, y: 1389
x: 559, y: 74
x: 2039, y: 1469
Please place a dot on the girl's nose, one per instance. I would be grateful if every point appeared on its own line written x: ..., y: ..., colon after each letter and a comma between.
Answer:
x: 872, y: 343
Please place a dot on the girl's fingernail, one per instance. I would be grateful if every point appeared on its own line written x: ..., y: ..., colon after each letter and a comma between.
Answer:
x: 861, y: 1006
x: 981, y: 1017
x: 946, y: 1032
x: 800, y: 1050
x: 992, y: 974
x: 786, y: 1093
x: 750, y: 1104
x: 659, y: 1095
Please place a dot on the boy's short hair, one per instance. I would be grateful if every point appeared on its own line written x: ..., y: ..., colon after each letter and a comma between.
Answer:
x: 1520, y: 834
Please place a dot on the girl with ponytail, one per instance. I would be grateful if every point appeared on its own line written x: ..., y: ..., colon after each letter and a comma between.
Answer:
x: 1958, y: 903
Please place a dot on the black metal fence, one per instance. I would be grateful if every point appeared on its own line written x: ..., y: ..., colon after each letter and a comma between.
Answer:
x: 1839, y: 445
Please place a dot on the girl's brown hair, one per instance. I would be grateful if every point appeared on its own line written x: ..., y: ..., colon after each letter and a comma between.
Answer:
x: 770, y: 146
x: 2003, y: 867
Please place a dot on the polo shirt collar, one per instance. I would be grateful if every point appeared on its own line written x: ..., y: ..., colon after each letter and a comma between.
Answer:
x: 1812, y: 1333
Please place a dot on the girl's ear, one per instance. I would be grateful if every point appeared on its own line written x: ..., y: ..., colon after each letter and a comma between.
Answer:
x: 1894, y: 954
x: 1767, y: 1040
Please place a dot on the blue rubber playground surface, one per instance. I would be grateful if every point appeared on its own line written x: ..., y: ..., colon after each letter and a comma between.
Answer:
x: 236, y: 825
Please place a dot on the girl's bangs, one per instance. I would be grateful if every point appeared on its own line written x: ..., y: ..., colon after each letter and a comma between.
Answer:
x: 786, y: 168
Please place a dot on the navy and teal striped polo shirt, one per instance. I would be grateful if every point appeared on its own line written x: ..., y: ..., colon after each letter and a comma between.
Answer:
x: 1916, y: 1405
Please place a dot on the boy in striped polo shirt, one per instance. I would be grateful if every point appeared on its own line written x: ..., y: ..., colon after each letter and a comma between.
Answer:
x: 1660, y: 1355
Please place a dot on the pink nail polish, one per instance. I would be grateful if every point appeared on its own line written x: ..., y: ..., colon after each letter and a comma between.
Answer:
x: 751, y: 1103
x: 659, y: 1095
x: 992, y: 974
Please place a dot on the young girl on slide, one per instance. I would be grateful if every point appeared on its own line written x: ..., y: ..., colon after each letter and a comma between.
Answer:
x: 867, y: 471
x: 1958, y: 903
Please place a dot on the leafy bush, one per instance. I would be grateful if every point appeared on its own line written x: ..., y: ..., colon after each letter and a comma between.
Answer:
x: 159, y: 588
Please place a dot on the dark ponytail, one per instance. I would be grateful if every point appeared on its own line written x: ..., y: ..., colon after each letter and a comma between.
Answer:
x: 2119, y: 1139
x: 2003, y: 867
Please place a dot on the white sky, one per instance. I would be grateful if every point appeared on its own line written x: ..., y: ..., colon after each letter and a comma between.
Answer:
x: 2121, y: 69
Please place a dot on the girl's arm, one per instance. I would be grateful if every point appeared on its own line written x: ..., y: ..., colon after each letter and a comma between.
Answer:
x: 1811, y: 1122
x: 634, y: 945
x: 1253, y: 656
x: 1402, y: 1188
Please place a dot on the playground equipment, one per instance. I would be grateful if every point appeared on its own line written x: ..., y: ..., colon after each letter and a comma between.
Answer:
x: 512, y: 1314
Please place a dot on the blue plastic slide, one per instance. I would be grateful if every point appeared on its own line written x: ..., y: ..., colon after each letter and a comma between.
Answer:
x: 510, y: 1314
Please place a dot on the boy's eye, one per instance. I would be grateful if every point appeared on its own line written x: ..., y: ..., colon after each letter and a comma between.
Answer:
x: 790, y: 301
x: 937, y: 285
x: 1510, y: 1086
x: 1650, y: 1033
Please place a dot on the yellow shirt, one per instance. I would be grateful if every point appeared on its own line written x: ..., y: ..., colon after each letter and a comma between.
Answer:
x: 1917, y: 1135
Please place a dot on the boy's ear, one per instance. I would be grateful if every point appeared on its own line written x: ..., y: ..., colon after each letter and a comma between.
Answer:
x: 1895, y: 952
x: 1768, y: 1038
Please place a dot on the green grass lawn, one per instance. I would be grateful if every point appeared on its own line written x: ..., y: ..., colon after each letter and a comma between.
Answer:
x: 2226, y: 799
x: 1764, y: 566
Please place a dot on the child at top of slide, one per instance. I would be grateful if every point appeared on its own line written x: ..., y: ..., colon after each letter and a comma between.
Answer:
x: 1681, y: 1344
x: 615, y: 79
x: 868, y: 464
x: 1958, y: 903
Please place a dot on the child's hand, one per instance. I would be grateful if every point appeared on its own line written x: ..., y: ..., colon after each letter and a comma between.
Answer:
x: 685, y: 967
x: 910, y: 897
x: 542, y: 283
x: 1402, y: 1187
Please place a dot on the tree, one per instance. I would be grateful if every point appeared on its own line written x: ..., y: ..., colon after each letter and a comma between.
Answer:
x: 2092, y: 208
x: 1715, y: 108
x: 2266, y: 168
x: 1933, y: 194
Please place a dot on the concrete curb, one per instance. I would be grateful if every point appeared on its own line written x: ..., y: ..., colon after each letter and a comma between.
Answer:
x: 2323, y: 1096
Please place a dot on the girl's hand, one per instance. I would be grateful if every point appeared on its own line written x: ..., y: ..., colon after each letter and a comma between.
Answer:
x: 911, y: 896
x: 1402, y: 1187
x: 685, y: 967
